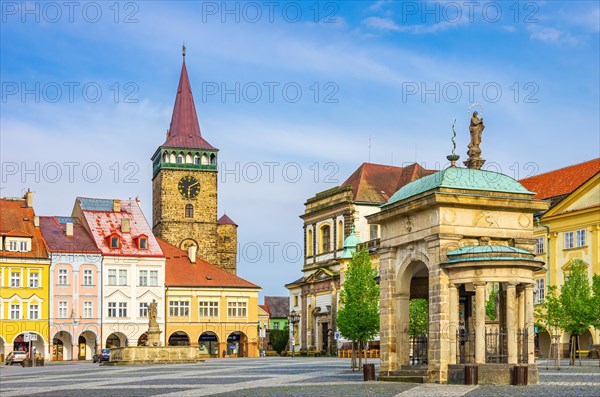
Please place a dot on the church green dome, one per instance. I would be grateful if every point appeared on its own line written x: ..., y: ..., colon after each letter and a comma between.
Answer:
x: 460, y: 178
x: 350, y: 244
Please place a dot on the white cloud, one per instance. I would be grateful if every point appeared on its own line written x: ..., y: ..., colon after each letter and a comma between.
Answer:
x: 554, y: 36
x: 387, y: 24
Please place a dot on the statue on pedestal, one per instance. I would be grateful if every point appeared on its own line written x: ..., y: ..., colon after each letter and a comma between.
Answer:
x: 153, y: 327
x: 476, y: 129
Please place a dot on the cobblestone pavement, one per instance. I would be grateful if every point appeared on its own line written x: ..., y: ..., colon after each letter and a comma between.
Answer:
x: 266, y: 377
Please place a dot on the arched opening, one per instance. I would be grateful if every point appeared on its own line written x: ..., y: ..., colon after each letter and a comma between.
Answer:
x: 165, y: 158
x: 180, y: 158
x: 116, y: 339
x: 88, y: 342
x: 188, y: 158
x: 2, y: 353
x: 237, y: 344
x: 37, y: 344
x: 196, y: 159
x: 172, y: 158
x: 189, y: 211
x: 543, y: 345
x: 143, y: 339
x: 179, y: 338
x: 213, y: 159
x: 204, y: 160
x: 309, y: 243
x: 413, y: 310
x: 325, y: 238
x: 340, y: 235
x: 208, y: 343
x: 62, y: 346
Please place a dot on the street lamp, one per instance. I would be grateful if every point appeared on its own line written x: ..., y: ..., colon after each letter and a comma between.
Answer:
x: 293, y: 319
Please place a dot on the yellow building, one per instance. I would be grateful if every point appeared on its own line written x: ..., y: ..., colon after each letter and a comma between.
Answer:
x: 570, y: 229
x: 209, y: 307
x: 24, y: 279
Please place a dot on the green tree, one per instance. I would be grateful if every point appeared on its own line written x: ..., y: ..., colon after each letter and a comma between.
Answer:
x: 550, y: 317
x: 576, y: 301
x: 418, y: 317
x: 358, y: 316
x: 279, y: 339
x: 490, y: 305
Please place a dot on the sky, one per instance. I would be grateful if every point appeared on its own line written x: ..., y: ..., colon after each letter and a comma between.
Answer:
x: 295, y: 95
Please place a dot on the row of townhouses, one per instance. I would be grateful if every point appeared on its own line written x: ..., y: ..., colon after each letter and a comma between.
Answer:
x: 70, y: 285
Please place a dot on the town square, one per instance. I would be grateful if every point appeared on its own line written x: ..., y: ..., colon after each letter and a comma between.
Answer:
x: 386, y: 198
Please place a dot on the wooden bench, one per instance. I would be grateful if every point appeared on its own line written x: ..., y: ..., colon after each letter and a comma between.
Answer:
x: 579, y: 353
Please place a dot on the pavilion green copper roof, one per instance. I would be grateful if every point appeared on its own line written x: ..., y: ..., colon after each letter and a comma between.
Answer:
x: 460, y: 178
x: 487, y: 249
x: 350, y: 244
x: 488, y: 253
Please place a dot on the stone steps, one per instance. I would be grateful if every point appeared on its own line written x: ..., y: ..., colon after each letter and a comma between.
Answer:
x: 406, y: 374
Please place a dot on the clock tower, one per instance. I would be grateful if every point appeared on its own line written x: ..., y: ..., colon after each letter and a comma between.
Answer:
x: 184, y: 187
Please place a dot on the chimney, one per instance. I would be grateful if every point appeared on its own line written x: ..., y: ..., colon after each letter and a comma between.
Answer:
x: 192, y: 253
x: 36, y: 221
x: 69, y: 229
x: 116, y: 205
x: 125, y: 225
x: 29, y: 199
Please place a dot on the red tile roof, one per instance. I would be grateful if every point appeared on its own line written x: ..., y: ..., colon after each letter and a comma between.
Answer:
x: 265, y: 308
x: 562, y: 181
x: 103, y: 224
x: 16, y: 219
x: 184, y: 131
x: 376, y: 183
x: 225, y: 220
x: 58, y: 241
x: 180, y: 272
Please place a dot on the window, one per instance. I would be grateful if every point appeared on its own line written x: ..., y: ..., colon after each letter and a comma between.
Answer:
x: 34, y: 312
x: 189, y: 211
x: 15, y: 279
x: 88, y: 311
x: 122, y: 277
x: 580, y: 238
x: 209, y: 309
x: 179, y: 308
x: 575, y: 239
x: 295, y: 300
x: 34, y: 280
x: 325, y: 238
x: 539, y: 291
x: 88, y: 277
x: 143, y: 243
x: 112, y: 277
x: 12, y: 246
x: 340, y: 233
x: 15, y: 312
x: 122, y: 309
x: 62, y: 310
x: 143, y: 278
x: 236, y: 309
x: 373, y: 232
x: 24, y: 246
x: 153, y: 278
x: 112, y: 309
x: 276, y: 325
x: 539, y: 245
x: 114, y: 242
x: 309, y: 243
x: 143, y: 309
x: 62, y: 276
x: 180, y: 159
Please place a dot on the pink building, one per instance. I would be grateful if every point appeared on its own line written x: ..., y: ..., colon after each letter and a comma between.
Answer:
x: 75, y: 288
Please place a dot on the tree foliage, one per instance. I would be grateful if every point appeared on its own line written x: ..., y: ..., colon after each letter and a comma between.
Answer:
x: 279, y: 339
x: 418, y: 317
x: 490, y: 305
x: 358, y: 316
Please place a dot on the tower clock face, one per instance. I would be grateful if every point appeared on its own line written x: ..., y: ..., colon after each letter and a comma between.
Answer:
x: 189, y: 187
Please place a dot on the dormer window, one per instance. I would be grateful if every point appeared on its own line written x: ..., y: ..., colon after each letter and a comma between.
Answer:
x: 142, y: 242
x: 114, y: 242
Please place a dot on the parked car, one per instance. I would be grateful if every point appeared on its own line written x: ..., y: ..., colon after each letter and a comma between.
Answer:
x: 103, y: 356
x: 15, y: 357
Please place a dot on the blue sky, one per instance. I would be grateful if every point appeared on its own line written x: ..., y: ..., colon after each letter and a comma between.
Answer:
x: 291, y: 93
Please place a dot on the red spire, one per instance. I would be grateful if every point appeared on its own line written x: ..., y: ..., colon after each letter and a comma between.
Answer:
x: 184, y: 131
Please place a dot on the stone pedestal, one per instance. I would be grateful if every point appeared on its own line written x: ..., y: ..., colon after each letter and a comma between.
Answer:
x: 154, y: 336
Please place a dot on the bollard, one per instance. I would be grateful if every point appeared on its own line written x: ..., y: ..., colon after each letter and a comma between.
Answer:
x: 368, y: 372
x: 471, y: 375
x: 520, y: 375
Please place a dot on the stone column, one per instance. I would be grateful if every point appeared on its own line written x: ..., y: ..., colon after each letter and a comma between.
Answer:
x: 529, y: 323
x: 521, y: 303
x: 402, y: 319
x: 511, y: 322
x: 480, y: 323
x: 454, y: 326
x: 387, y: 309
